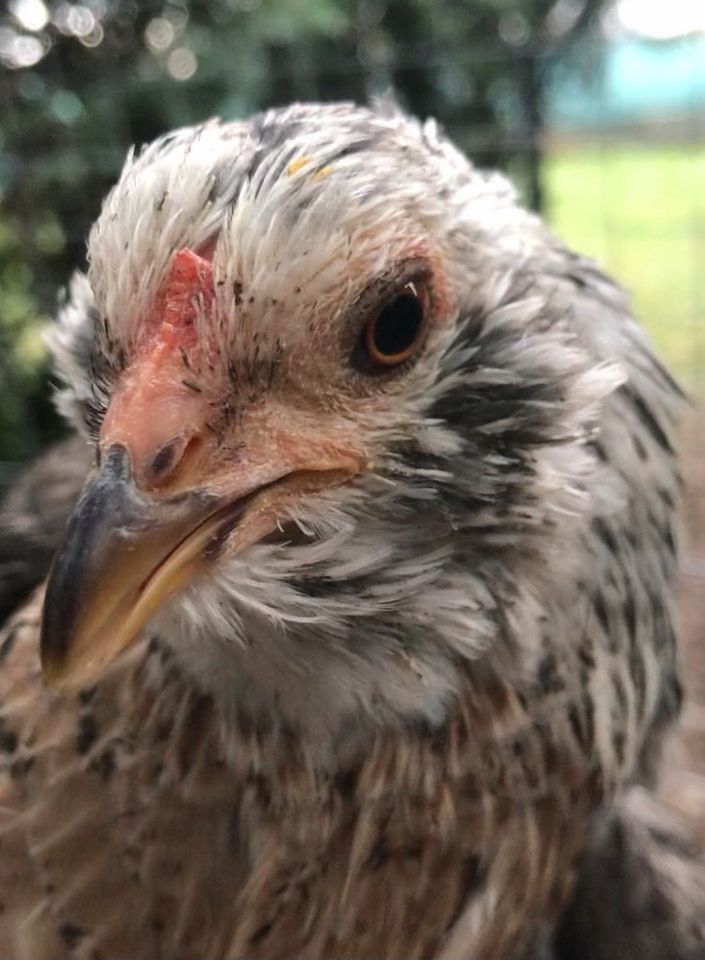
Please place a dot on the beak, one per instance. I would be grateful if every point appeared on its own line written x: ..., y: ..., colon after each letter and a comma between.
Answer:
x: 125, y: 554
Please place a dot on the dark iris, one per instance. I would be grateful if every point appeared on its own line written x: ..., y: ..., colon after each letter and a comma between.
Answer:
x: 393, y: 331
x: 396, y: 328
x: 395, y: 317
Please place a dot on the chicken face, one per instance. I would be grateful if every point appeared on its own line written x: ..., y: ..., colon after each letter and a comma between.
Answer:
x: 235, y: 393
x: 322, y: 389
x: 204, y: 452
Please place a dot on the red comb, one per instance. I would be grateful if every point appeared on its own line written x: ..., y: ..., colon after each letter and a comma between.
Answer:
x: 186, y: 290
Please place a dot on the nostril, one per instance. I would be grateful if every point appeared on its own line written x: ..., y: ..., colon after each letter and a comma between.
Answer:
x: 172, y: 455
x: 165, y: 458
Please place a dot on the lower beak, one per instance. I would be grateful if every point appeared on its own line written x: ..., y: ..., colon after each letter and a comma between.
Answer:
x: 124, y: 555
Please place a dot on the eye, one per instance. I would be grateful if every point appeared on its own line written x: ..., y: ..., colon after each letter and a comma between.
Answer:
x: 394, y: 332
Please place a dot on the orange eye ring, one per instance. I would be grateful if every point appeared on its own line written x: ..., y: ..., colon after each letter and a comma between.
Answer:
x: 394, y: 334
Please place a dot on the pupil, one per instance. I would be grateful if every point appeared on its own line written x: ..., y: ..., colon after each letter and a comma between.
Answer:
x: 397, y: 325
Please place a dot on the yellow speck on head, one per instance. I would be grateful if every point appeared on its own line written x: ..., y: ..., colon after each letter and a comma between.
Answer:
x: 322, y: 173
x: 296, y: 164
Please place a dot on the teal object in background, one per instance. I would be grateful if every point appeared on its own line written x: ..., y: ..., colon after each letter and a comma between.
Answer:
x: 627, y: 81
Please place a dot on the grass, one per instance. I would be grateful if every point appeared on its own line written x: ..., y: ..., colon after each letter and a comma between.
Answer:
x: 640, y: 211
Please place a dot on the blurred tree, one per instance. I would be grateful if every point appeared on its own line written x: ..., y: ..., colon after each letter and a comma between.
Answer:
x: 82, y: 81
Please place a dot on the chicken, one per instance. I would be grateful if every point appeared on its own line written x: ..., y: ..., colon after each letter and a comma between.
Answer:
x: 364, y: 617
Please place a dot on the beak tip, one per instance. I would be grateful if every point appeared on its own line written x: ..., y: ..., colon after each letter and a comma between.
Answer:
x: 53, y: 677
x: 61, y: 676
x: 53, y: 647
x: 53, y: 666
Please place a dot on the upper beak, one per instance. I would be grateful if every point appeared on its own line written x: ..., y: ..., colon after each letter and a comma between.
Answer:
x: 124, y: 554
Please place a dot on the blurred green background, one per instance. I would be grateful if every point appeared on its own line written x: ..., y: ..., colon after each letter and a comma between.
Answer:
x: 596, y: 110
